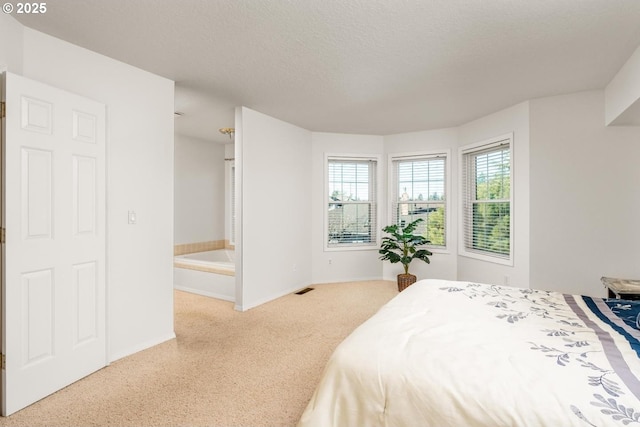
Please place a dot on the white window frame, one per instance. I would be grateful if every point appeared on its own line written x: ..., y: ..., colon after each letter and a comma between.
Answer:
x: 376, y: 191
x: 464, y: 203
x: 446, y: 154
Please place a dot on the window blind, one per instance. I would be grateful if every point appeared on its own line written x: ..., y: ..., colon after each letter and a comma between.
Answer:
x: 352, y: 208
x: 419, y: 191
x: 486, y: 178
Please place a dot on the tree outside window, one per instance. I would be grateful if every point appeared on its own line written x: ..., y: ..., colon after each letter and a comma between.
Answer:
x: 419, y: 192
x: 487, y: 199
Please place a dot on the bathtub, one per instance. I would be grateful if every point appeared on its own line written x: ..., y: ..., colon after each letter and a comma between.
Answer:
x: 210, y: 273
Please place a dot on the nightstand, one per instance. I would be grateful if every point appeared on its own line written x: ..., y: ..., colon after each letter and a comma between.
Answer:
x: 622, y: 288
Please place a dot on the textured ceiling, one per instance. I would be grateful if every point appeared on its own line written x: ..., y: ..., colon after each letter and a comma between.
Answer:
x: 356, y: 66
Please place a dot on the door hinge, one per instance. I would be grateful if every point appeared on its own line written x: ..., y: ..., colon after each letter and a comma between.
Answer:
x: 3, y: 109
x: 3, y: 235
x: 3, y: 362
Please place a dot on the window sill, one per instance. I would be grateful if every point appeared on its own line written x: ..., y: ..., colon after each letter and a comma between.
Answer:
x: 351, y: 248
x: 487, y: 258
x: 442, y: 251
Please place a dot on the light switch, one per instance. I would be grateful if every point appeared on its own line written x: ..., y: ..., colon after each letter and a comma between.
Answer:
x: 132, y: 217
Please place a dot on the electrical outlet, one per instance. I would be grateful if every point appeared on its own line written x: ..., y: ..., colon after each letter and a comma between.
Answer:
x: 133, y: 218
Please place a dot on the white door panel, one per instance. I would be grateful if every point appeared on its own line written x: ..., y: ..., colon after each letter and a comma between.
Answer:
x: 53, y: 304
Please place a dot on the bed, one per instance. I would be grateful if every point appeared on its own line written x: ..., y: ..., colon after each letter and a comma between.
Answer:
x: 445, y: 353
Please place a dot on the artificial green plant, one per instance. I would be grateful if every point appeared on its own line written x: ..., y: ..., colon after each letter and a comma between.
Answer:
x: 402, y: 245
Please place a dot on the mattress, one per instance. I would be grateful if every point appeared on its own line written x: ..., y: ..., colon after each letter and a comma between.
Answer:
x: 445, y: 353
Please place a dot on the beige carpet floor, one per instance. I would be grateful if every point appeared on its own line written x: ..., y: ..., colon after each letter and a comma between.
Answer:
x: 225, y: 368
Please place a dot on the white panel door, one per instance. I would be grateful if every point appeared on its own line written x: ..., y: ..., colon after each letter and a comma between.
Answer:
x: 53, y: 305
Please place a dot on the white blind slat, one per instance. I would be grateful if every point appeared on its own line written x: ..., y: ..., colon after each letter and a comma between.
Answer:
x: 352, y: 208
x: 486, y: 178
x: 418, y: 191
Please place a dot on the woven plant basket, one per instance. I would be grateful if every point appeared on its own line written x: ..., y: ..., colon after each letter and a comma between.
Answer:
x: 405, y: 280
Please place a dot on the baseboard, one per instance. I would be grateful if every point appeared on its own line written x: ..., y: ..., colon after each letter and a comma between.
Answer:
x: 254, y: 304
x: 204, y: 293
x: 140, y: 347
x: 355, y: 279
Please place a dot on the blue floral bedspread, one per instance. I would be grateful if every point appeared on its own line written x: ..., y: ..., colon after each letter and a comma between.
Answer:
x: 446, y: 353
x: 626, y: 310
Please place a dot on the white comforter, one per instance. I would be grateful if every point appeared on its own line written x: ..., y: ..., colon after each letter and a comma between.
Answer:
x: 463, y: 354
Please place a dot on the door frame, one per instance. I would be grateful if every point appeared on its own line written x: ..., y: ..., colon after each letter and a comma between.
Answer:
x: 2, y: 227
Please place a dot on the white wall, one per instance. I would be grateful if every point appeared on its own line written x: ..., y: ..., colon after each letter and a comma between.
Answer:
x: 275, y: 213
x: 514, y: 119
x: 575, y: 199
x: 585, y: 199
x: 199, y: 205
x: 11, y: 44
x: 361, y: 265
x: 346, y: 265
x: 622, y: 94
x: 443, y: 263
x: 139, y: 178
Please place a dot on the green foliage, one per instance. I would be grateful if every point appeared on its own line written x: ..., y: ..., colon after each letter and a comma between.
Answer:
x: 496, y: 187
x: 492, y: 217
x: 492, y: 227
x: 402, y: 245
x: 435, y: 227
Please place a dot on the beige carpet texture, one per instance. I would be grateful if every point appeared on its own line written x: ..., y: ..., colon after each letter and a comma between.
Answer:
x: 225, y: 368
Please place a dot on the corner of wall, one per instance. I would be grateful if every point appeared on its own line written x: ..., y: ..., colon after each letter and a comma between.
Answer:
x: 622, y: 94
x: 11, y: 44
x: 516, y: 120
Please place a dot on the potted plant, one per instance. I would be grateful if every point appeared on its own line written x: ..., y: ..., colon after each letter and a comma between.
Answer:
x: 402, y: 246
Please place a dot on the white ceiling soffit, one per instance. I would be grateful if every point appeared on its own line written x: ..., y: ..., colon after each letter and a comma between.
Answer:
x: 358, y: 66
